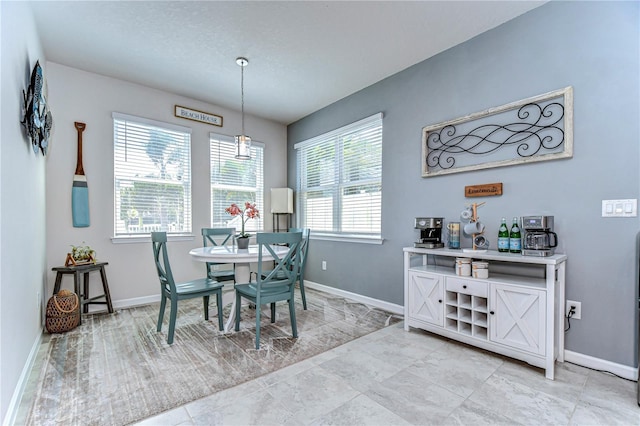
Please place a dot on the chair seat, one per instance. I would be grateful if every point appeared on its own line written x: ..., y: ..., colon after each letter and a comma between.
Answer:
x: 197, y: 286
x: 250, y: 290
x: 222, y: 275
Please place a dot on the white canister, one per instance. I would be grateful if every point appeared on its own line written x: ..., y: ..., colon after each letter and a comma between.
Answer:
x: 480, y: 269
x: 463, y: 266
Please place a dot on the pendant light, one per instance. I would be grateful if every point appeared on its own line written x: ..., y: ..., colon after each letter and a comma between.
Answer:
x: 243, y: 142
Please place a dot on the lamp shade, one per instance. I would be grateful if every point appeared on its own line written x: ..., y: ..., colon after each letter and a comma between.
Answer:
x: 281, y: 200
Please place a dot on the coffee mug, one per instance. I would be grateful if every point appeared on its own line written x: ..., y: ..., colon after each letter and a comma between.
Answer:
x: 481, y: 242
x: 473, y: 228
x: 466, y: 215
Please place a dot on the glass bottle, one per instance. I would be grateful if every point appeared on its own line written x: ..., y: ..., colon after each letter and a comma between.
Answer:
x: 503, y: 236
x: 515, y: 242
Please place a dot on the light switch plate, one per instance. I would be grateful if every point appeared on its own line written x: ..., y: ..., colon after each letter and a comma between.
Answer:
x: 620, y: 208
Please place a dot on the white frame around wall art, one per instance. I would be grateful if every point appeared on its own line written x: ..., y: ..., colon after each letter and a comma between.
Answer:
x: 539, y: 128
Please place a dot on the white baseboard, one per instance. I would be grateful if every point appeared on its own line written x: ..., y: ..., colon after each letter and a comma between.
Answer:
x: 16, y: 398
x: 136, y: 301
x: 390, y: 307
x: 625, y: 371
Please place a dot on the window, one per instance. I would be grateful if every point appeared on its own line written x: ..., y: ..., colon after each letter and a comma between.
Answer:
x: 340, y: 180
x: 152, y: 174
x: 235, y: 181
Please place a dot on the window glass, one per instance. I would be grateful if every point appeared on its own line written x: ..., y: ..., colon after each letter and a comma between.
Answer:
x: 152, y: 176
x: 235, y: 181
x: 340, y: 180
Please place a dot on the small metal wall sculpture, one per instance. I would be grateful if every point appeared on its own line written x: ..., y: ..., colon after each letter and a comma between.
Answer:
x: 534, y: 129
x: 37, y: 118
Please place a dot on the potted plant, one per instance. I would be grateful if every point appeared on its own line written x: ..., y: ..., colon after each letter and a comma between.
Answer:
x: 80, y: 255
x: 249, y: 212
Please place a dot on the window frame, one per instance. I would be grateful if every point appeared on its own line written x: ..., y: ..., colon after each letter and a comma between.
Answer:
x: 213, y: 137
x: 187, y: 183
x: 334, y: 139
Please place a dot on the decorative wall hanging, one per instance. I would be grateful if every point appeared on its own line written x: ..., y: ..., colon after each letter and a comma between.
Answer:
x: 37, y: 118
x: 195, y: 115
x: 534, y: 129
x: 485, y: 190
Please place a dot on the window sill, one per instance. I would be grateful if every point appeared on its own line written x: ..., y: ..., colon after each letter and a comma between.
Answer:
x: 347, y: 238
x: 137, y: 239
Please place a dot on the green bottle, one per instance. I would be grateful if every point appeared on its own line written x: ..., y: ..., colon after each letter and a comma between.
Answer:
x: 515, y: 243
x: 503, y: 236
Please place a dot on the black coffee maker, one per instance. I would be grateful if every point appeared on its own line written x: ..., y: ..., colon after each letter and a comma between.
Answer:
x: 430, y: 232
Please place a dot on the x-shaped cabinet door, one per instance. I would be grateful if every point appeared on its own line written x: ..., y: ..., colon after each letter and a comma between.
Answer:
x: 426, y: 292
x: 518, y: 317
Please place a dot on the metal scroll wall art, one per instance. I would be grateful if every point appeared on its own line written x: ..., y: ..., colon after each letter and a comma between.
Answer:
x: 534, y: 129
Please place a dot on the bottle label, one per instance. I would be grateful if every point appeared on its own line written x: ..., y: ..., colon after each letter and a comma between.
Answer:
x: 514, y: 244
x: 503, y: 243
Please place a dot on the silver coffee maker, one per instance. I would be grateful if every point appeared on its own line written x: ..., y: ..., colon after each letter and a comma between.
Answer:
x: 538, y: 238
x: 430, y: 232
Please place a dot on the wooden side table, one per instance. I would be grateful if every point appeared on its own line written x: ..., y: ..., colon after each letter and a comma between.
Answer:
x: 83, y: 295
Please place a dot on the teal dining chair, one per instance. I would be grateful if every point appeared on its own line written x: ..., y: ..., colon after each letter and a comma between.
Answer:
x: 278, y: 284
x: 219, y: 237
x: 304, y: 247
x: 172, y: 291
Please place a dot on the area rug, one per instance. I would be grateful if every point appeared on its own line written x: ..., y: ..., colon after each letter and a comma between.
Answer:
x: 116, y: 369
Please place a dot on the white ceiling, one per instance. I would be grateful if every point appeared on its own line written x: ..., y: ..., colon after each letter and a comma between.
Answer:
x: 302, y: 55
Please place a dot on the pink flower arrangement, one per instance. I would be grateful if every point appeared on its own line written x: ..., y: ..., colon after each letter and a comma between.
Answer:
x: 250, y: 212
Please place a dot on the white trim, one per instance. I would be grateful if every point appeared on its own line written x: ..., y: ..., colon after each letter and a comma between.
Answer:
x: 136, y: 301
x: 630, y: 373
x: 390, y: 307
x: 347, y: 239
x: 18, y: 393
x: 146, y: 238
x: 150, y: 122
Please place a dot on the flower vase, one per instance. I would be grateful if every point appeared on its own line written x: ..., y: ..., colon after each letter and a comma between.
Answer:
x: 243, y: 242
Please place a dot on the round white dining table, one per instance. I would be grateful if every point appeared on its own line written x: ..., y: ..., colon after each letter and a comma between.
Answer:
x: 242, y: 258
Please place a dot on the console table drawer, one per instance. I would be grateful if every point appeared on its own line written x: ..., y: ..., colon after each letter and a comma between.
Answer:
x: 472, y: 287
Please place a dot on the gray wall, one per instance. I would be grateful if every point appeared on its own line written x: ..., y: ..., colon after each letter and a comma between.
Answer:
x: 22, y: 205
x: 592, y: 46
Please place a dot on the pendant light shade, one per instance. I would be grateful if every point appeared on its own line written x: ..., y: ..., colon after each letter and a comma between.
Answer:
x: 243, y: 142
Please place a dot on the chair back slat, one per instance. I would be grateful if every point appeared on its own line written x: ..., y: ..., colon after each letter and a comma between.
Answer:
x: 161, y: 258
x: 286, y: 265
x: 224, y: 237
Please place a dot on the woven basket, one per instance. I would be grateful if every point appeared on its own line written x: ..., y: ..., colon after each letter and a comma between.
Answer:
x: 63, y: 312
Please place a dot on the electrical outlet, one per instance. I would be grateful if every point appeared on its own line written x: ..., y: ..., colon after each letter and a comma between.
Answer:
x: 324, y: 265
x: 577, y: 307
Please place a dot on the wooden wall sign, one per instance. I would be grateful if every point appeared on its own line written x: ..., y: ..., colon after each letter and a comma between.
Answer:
x: 195, y: 115
x: 486, y: 190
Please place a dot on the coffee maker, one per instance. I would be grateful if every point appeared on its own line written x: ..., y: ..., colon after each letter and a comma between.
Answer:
x: 538, y: 238
x: 430, y: 232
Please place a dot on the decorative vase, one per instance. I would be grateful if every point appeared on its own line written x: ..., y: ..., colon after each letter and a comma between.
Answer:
x: 243, y: 242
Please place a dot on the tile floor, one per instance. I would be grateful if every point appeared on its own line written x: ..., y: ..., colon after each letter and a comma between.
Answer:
x: 392, y: 377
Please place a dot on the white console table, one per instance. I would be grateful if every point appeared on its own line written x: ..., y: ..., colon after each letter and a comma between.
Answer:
x: 518, y: 311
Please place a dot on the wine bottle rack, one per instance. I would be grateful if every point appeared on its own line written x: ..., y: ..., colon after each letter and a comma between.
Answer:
x: 466, y: 314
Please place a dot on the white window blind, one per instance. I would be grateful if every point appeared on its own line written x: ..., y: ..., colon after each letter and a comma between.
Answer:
x: 340, y: 180
x: 235, y: 181
x: 152, y: 176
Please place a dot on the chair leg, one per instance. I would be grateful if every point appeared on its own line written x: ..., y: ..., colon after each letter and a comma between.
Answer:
x: 205, y: 300
x: 172, y: 320
x: 292, y: 314
x: 237, y: 328
x: 273, y: 312
x: 219, y: 303
x: 258, y: 310
x: 163, y: 304
x: 304, y: 297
